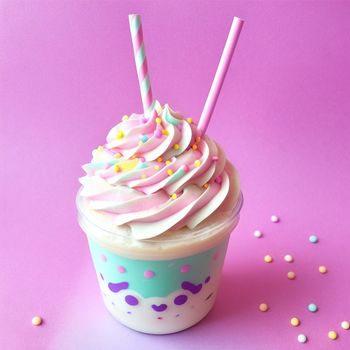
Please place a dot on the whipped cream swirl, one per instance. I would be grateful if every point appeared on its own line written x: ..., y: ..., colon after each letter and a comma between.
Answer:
x: 155, y: 174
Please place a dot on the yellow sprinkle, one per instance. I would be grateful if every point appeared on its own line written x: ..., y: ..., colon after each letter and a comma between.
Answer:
x: 291, y: 275
x: 167, y: 162
x: 143, y: 176
x: 189, y: 120
x: 117, y: 169
x: 194, y: 147
x: 170, y: 172
x: 117, y: 155
x: 100, y: 148
x: 198, y: 139
x: 120, y: 134
x: 160, y: 159
x: 176, y: 146
x: 206, y: 185
x: 294, y: 321
x: 332, y: 335
x: 197, y: 163
x: 165, y: 132
x: 322, y: 269
x: 37, y: 321
x: 157, y: 167
x: 263, y: 307
x: 174, y: 196
x: 125, y: 118
x: 158, y: 120
x: 268, y: 258
x: 345, y: 325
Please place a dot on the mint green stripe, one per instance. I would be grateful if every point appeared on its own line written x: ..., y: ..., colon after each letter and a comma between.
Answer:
x: 135, y: 25
x: 140, y: 56
x: 145, y: 86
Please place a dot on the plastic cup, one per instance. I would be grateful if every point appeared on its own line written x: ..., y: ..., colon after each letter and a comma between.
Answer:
x: 163, y: 285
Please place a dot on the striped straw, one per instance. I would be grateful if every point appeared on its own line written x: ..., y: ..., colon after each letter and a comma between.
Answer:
x: 141, y: 63
x: 220, y: 74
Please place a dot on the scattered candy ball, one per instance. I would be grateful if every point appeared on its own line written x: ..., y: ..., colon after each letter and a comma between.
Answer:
x: 176, y: 146
x: 288, y: 258
x: 37, y: 321
x: 268, y: 258
x: 312, y: 307
x: 100, y: 148
x: 125, y: 118
x: 258, y: 234
x: 120, y: 134
x: 263, y: 307
x: 174, y: 196
x: 332, y: 335
x: 322, y: 269
x: 302, y: 338
x: 291, y: 275
x: 294, y: 321
x: 189, y: 120
x: 345, y: 325
x: 274, y: 218
x: 197, y: 163
x: 313, y: 239
x: 170, y: 172
x: 194, y: 147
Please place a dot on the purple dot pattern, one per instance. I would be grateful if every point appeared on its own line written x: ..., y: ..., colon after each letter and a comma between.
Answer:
x: 159, y: 308
x: 117, y: 287
x: 180, y: 299
x: 207, y: 279
x: 193, y: 288
x: 131, y: 300
x: 185, y: 268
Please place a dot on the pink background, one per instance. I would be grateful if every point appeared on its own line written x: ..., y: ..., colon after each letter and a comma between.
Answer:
x: 67, y: 75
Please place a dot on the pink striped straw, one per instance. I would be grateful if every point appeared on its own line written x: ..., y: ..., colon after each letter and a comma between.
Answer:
x: 220, y: 74
x: 141, y: 63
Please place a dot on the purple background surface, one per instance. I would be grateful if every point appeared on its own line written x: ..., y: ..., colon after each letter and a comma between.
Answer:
x: 68, y: 75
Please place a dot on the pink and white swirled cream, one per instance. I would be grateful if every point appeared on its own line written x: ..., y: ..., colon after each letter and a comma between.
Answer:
x: 156, y: 175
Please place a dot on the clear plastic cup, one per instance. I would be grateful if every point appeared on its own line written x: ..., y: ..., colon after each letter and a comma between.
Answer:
x: 161, y: 285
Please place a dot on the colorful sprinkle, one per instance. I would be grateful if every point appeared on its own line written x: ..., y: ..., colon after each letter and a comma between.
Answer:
x: 198, y: 139
x: 121, y: 269
x: 120, y: 134
x: 288, y: 258
x: 294, y: 321
x: 176, y: 146
x: 194, y: 147
x: 143, y: 138
x: 170, y: 172
x: 185, y: 268
x: 313, y: 239
x: 263, y: 307
x: 159, y: 308
x: 322, y: 269
x: 37, y: 321
x: 167, y: 162
x: 156, y: 167
x: 125, y: 118
x: 158, y: 133
x: 258, y: 234
x: 185, y: 168
x: 180, y: 299
x: 144, y: 120
x: 159, y: 160
x: 215, y: 158
x: 332, y: 335
x: 268, y: 259
x: 207, y: 279
x: 131, y: 300
x: 302, y: 338
x: 345, y: 325
x: 189, y: 120
x: 158, y: 120
x: 291, y: 275
x: 117, y: 155
x: 206, y: 185
x: 117, y: 168
x: 197, y: 163
x: 174, y: 196
x: 274, y: 218
x: 149, y: 274
x: 312, y: 307
x: 165, y: 132
x: 100, y: 148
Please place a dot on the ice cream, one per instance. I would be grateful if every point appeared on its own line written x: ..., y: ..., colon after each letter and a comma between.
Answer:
x: 155, y: 174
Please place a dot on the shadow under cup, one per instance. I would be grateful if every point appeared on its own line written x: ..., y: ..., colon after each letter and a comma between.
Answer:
x: 161, y: 285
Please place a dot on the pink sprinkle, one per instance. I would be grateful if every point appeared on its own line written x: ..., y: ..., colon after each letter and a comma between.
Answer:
x: 185, y: 168
x: 121, y: 269
x: 144, y: 120
x: 218, y: 180
x: 215, y: 158
x: 158, y: 133
x: 103, y: 258
x: 142, y: 159
x: 185, y: 268
x: 149, y: 274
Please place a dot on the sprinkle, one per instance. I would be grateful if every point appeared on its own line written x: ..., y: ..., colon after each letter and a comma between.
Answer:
x: 302, y: 338
x: 176, y: 146
x: 312, y: 307
x: 322, y: 269
x: 288, y: 258
x: 142, y: 159
x: 160, y: 159
x: 218, y: 180
x: 37, y: 321
x: 268, y: 258
x: 158, y: 120
x: 158, y: 133
x: 174, y: 196
x: 189, y: 120
x: 313, y: 239
x: 206, y: 185
x: 345, y: 325
x: 185, y: 168
x: 100, y: 148
x: 215, y: 158
x: 194, y: 147
x: 125, y: 118
x: 198, y: 139
x: 157, y: 167
x: 263, y: 307
x: 117, y: 169
x: 291, y: 275
x: 167, y: 162
x: 274, y: 218
x: 197, y: 163
x: 120, y: 134
x: 170, y: 172
x: 294, y: 321
x: 165, y: 132
x: 258, y: 234
x: 149, y: 274
x: 143, y: 138
x: 117, y: 155
x: 144, y: 120
x: 332, y: 335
